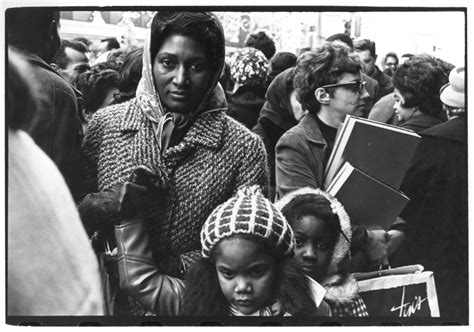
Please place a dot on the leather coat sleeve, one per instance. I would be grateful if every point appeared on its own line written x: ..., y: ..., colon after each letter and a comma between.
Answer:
x: 139, y: 276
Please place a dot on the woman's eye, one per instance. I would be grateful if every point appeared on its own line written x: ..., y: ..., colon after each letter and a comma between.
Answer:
x: 167, y: 63
x: 197, y: 67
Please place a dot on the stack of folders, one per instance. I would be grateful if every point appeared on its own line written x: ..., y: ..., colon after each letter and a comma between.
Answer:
x: 366, y: 168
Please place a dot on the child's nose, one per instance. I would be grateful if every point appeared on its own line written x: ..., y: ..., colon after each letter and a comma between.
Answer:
x: 242, y: 285
x: 310, y: 252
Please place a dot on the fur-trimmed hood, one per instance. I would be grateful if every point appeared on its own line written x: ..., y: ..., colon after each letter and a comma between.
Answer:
x: 339, y: 284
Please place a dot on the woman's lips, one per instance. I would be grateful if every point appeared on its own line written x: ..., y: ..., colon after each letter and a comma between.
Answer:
x: 178, y: 95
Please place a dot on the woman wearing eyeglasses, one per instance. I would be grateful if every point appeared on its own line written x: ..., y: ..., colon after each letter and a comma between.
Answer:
x: 329, y: 86
x: 417, y: 104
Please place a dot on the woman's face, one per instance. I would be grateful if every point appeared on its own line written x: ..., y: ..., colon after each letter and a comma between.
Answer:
x: 181, y: 73
x: 298, y: 111
x: 314, y: 245
x: 245, y: 273
x: 403, y: 113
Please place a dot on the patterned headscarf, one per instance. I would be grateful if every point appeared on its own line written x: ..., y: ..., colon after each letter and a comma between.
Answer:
x: 249, y: 66
x: 166, y: 123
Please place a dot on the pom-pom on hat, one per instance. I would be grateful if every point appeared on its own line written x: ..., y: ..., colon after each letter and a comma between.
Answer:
x: 249, y: 66
x: 452, y: 94
x: 249, y: 212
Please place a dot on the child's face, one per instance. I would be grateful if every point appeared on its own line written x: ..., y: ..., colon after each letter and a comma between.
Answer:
x: 246, y: 274
x: 314, y: 245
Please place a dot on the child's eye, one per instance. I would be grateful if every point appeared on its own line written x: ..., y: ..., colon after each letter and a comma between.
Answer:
x: 324, y: 244
x: 299, y: 241
x: 227, y: 274
x: 257, y: 272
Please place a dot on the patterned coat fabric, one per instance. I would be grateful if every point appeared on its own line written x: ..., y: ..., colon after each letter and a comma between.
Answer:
x: 215, y: 157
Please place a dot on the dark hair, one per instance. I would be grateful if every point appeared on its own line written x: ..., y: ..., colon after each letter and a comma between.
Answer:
x: 30, y: 29
x: 280, y: 62
x: 94, y: 85
x: 60, y: 58
x: 201, y: 26
x: 419, y: 81
x: 130, y: 75
x: 321, y: 67
x: 109, y: 64
x: 312, y: 205
x: 365, y: 45
x: 85, y: 41
x: 391, y: 55
x: 346, y: 39
x: 263, y: 43
x: 203, y: 295
x: 112, y: 43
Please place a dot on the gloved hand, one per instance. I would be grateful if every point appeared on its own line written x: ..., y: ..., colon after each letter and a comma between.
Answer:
x: 144, y: 187
x: 98, y: 210
x: 103, y: 209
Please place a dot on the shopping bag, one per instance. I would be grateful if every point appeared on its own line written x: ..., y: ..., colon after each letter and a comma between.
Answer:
x: 399, y: 292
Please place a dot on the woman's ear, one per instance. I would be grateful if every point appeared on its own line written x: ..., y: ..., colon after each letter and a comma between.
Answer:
x: 322, y: 96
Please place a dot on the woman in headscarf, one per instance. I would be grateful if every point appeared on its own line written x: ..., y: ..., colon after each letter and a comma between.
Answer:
x: 280, y: 112
x: 176, y: 128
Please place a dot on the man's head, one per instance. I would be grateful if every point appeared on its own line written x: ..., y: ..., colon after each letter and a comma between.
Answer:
x: 263, y: 43
x: 365, y: 50
x: 34, y: 30
x: 70, y: 55
x: 108, y: 44
x: 329, y: 78
x: 391, y: 61
x: 346, y: 39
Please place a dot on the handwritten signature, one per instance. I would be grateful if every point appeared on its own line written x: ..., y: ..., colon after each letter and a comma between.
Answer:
x: 409, y: 308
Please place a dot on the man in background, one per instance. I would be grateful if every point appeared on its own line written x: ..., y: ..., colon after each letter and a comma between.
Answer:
x: 365, y: 50
x: 71, y: 59
x: 55, y: 126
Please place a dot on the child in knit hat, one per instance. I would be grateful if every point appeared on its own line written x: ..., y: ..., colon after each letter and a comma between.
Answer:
x: 323, y: 237
x: 246, y: 267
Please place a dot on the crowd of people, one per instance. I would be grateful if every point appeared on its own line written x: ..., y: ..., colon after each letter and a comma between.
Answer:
x: 200, y: 176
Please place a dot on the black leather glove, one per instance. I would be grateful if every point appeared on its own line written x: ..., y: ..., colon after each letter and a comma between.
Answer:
x: 145, y: 186
x: 99, y: 210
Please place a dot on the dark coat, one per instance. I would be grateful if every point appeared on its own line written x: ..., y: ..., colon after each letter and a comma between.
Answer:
x: 437, y: 215
x: 385, y: 82
x: 421, y: 122
x: 245, y: 104
x: 300, y: 157
x: 276, y: 117
x: 56, y: 127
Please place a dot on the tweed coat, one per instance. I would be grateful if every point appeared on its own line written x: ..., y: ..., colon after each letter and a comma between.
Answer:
x: 215, y: 157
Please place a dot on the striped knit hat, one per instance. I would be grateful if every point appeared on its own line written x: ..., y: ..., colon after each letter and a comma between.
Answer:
x: 249, y: 212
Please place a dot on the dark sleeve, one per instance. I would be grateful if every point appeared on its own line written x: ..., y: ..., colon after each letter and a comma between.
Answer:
x: 292, y: 165
x: 139, y: 275
x: 418, y: 179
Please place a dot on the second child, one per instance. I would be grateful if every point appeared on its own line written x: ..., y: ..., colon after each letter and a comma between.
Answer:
x: 323, y: 237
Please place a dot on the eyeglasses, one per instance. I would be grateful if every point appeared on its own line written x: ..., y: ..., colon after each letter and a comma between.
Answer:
x: 356, y: 86
x: 391, y: 64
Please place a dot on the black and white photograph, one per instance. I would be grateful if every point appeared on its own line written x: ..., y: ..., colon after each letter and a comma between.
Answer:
x: 236, y: 164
